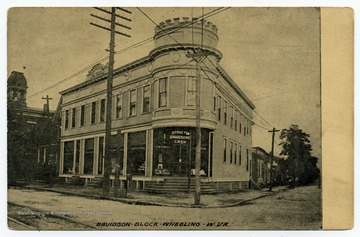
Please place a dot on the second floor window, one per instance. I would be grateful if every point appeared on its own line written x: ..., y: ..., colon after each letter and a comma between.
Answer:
x: 232, y: 117
x: 214, y: 105
x: 93, y: 112
x: 231, y: 152
x: 225, y: 146
x: 118, y: 113
x: 219, y: 108
x: 133, y: 102
x: 247, y: 159
x: 235, y: 153
x: 225, y: 112
x: 236, y: 121
x: 102, y: 110
x: 146, y: 99
x: 66, y: 119
x: 82, y: 115
x: 240, y: 125
x: 73, y: 118
x: 240, y: 155
x: 163, y: 92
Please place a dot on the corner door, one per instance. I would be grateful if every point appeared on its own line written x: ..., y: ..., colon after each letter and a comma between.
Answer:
x: 181, y: 160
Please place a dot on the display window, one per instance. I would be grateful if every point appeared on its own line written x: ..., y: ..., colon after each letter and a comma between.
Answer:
x: 174, y: 151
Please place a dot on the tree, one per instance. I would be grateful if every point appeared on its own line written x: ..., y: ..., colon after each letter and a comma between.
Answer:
x: 301, y: 166
x: 19, y: 143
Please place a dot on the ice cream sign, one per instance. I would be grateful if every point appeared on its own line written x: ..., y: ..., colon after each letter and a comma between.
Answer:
x: 180, y: 137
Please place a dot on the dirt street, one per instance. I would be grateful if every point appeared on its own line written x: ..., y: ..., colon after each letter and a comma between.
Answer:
x: 299, y: 208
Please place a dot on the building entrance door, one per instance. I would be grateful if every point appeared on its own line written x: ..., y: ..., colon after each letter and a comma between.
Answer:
x: 181, y: 160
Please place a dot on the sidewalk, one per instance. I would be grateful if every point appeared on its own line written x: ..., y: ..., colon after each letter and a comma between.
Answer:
x: 170, y: 200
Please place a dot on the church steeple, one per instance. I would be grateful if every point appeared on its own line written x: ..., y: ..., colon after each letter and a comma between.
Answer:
x: 17, y: 89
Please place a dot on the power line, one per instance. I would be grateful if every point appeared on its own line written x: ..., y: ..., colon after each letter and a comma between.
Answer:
x: 265, y: 97
x: 253, y: 110
x: 261, y: 127
x: 136, y: 45
x: 147, y: 16
x: 150, y: 39
x: 231, y: 106
x: 263, y: 118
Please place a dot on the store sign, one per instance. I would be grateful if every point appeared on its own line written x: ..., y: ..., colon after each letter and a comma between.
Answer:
x: 180, y: 137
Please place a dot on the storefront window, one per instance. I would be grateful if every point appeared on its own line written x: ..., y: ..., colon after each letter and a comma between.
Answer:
x: 136, y: 153
x: 117, y: 152
x: 77, y: 158
x: 68, y: 157
x: 174, y: 151
x: 101, y: 155
x: 89, y: 156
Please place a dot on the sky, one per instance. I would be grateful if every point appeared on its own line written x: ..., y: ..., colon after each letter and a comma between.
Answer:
x: 273, y: 54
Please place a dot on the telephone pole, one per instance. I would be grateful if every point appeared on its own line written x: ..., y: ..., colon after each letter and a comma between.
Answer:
x: 113, y: 23
x: 198, y: 57
x: 272, y: 158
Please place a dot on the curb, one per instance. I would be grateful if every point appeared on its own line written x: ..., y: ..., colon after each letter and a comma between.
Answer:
x: 244, y: 202
x: 144, y: 203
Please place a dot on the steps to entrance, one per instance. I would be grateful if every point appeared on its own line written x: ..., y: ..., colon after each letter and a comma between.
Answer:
x: 178, y: 184
x: 95, y: 182
x: 74, y: 180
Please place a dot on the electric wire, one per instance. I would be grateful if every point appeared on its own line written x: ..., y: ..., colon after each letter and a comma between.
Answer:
x: 136, y: 45
x: 147, y: 16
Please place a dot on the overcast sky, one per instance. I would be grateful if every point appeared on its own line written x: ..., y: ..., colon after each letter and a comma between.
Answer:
x: 273, y: 54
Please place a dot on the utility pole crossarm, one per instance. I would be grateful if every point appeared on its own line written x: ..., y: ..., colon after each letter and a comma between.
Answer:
x: 107, y: 20
x: 124, y: 10
x: 109, y: 12
x: 105, y: 28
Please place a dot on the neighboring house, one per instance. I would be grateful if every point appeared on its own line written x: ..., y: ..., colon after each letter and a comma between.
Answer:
x: 260, y: 174
x: 261, y: 163
x: 153, y: 116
